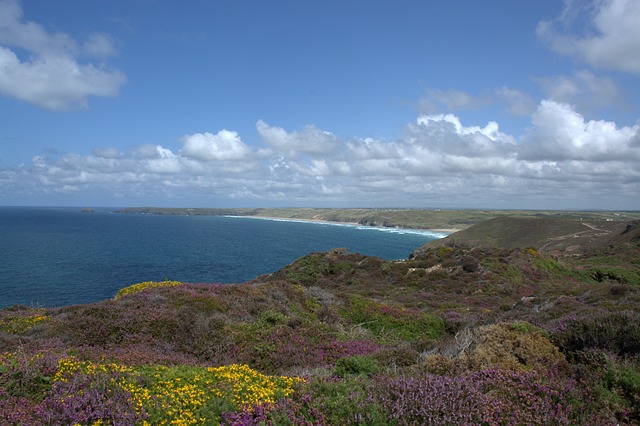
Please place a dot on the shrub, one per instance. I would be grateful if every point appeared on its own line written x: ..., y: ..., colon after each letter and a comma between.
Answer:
x: 282, y: 348
x: 511, y: 346
x: 432, y: 400
x: 358, y: 365
x: 160, y: 395
x: 615, y: 332
x: 532, y: 398
x: 272, y: 317
x: 17, y: 410
x: 470, y: 264
x: 620, y: 391
x: 491, y: 397
x: 90, y: 399
x: 396, y: 321
x: 332, y: 401
x: 19, y: 319
x: 396, y: 356
x: 453, y: 321
x: 135, y: 288
x: 26, y: 375
x: 619, y: 275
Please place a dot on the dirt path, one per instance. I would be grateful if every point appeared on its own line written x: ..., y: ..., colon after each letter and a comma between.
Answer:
x: 583, y: 236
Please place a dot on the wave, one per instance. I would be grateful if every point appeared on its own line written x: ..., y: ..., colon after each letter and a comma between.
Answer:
x: 393, y: 230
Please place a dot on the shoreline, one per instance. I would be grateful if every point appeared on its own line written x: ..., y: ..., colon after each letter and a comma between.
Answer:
x: 438, y: 233
x: 440, y: 221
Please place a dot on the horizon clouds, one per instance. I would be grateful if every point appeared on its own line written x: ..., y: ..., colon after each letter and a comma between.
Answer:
x: 561, y: 152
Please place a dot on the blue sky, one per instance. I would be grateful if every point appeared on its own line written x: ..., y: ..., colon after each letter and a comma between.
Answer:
x: 376, y: 103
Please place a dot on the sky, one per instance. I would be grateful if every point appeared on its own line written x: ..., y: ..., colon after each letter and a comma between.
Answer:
x: 505, y: 104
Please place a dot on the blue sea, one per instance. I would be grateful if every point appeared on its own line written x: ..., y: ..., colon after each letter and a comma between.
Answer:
x: 53, y: 257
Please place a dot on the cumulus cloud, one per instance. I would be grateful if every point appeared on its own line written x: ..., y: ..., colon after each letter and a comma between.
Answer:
x: 311, y: 140
x: 564, y: 160
x: 224, y: 145
x: 560, y: 133
x: 51, y: 76
x: 610, y: 39
x: 164, y: 162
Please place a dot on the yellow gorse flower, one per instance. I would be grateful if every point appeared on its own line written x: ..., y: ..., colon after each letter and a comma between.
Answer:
x: 135, y: 288
x: 16, y: 324
x: 250, y: 387
x: 178, y: 395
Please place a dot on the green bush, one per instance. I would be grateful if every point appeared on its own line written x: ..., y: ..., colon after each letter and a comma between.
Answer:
x: 345, y: 402
x: 357, y: 365
x: 618, y: 392
x: 620, y: 275
x: 393, y: 321
x: 272, y: 318
x: 396, y: 356
x: 627, y: 380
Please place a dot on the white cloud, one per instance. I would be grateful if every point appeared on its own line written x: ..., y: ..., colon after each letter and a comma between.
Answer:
x: 165, y: 162
x: 563, y: 161
x: 311, y: 140
x: 370, y: 149
x: 611, y: 39
x: 445, y: 133
x: 560, y: 133
x: 224, y: 145
x: 51, y: 76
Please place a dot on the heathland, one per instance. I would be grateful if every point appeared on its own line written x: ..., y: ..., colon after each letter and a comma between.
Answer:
x: 519, y: 318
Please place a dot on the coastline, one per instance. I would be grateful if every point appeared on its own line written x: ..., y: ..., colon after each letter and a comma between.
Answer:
x: 441, y: 221
x: 439, y: 233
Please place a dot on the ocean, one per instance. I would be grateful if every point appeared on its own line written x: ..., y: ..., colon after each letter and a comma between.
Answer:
x: 52, y: 257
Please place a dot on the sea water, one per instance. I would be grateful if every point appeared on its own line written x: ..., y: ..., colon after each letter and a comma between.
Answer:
x: 61, y: 256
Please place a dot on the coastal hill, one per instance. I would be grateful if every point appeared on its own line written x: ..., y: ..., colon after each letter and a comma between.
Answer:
x: 515, y: 320
x: 434, y: 219
x: 568, y: 236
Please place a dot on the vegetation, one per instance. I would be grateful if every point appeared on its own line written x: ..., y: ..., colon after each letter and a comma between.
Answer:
x: 457, y: 334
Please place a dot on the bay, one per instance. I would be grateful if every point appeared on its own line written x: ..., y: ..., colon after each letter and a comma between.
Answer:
x: 62, y: 256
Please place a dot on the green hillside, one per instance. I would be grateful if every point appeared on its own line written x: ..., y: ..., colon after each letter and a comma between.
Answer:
x: 546, y: 234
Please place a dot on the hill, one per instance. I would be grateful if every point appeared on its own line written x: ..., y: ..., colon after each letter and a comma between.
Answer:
x: 457, y: 334
x: 546, y: 234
